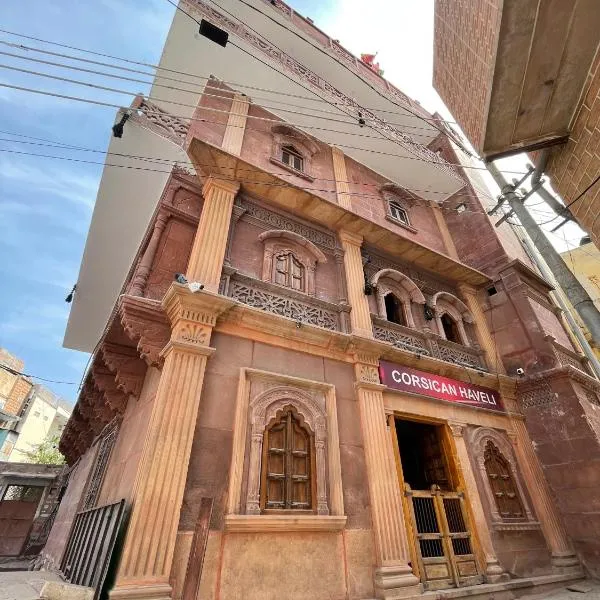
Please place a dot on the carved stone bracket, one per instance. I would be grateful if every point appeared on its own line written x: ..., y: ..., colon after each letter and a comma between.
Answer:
x: 105, y: 382
x: 124, y: 362
x: 145, y: 323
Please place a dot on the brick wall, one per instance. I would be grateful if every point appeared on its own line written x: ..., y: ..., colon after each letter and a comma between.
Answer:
x: 573, y: 166
x: 18, y: 393
x: 465, y: 40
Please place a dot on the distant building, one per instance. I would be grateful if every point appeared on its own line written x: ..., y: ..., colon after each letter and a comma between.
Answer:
x: 584, y: 261
x: 29, y: 413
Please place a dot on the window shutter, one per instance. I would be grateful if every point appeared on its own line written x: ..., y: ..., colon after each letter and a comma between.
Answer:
x: 287, y: 480
x: 297, y: 274
x: 503, y: 484
x: 281, y: 269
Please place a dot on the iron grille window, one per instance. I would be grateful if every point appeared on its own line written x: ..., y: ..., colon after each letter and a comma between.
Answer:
x: 23, y: 493
x: 503, y: 483
x: 398, y: 212
x: 287, y: 464
x: 97, y: 477
x: 291, y: 157
x: 289, y: 272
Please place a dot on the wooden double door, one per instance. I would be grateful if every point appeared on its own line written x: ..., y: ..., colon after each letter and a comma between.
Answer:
x: 443, y: 540
x: 435, y: 507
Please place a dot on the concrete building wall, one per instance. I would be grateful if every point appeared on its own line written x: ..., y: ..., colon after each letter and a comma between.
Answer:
x: 33, y: 429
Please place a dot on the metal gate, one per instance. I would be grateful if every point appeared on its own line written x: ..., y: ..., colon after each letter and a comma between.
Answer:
x: 444, y: 545
x: 89, y: 550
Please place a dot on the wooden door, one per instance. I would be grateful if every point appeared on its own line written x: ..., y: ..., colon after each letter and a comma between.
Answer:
x: 444, y: 545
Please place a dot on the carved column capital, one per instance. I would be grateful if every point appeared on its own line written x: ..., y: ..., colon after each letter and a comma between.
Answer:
x: 457, y: 428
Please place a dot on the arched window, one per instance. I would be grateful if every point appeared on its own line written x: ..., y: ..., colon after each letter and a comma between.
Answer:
x: 450, y: 329
x: 291, y: 157
x: 289, y: 271
x: 286, y: 482
x: 398, y: 212
x: 394, y: 310
x: 502, y: 482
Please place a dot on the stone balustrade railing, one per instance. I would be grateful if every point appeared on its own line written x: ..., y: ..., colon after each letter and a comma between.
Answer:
x: 284, y: 302
x: 568, y: 356
x: 427, y: 344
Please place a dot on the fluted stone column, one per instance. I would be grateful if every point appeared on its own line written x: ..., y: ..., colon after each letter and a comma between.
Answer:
x: 140, y: 279
x: 210, y: 243
x: 484, y: 334
x: 236, y: 124
x: 147, y: 555
x: 563, y: 557
x: 342, y: 186
x: 360, y: 316
x: 493, y: 571
x: 393, y: 576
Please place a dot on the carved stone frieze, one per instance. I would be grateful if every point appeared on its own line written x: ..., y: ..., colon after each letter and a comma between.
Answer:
x: 274, y: 220
x: 158, y: 120
x: 541, y: 395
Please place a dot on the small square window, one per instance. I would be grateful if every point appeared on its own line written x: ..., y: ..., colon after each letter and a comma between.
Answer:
x: 291, y: 157
x: 398, y: 213
x: 36, y: 413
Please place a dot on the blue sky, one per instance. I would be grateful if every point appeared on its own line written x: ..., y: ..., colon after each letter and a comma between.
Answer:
x: 46, y: 205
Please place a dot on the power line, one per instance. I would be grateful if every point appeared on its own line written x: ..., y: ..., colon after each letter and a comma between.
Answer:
x: 322, y: 51
x: 29, y: 376
x: 407, y: 143
x: 163, y: 161
x: 184, y: 118
x: 199, y: 91
x: 165, y: 69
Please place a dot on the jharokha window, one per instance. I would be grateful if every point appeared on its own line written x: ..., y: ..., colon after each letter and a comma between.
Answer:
x: 289, y: 272
x: 502, y: 482
x: 291, y: 157
x: 286, y: 482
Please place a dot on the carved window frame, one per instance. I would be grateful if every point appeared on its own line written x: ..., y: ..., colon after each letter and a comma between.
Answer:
x: 446, y: 303
x: 388, y: 281
x: 261, y: 395
x: 305, y: 147
x: 479, y: 440
x: 396, y: 196
x: 278, y: 242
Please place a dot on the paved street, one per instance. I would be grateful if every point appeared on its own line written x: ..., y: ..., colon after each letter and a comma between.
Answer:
x: 24, y: 585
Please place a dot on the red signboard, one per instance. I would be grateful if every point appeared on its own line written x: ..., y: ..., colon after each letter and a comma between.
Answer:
x: 405, y: 379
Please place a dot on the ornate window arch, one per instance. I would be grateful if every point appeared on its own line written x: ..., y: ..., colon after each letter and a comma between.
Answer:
x: 264, y: 410
x: 456, y: 315
x: 290, y: 143
x: 404, y: 289
x: 497, y: 463
x: 290, y: 260
x: 398, y: 202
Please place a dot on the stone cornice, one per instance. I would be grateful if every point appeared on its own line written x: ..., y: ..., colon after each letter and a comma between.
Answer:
x: 561, y: 372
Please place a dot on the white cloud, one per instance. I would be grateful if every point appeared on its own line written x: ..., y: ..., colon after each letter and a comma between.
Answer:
x: 78, y: 188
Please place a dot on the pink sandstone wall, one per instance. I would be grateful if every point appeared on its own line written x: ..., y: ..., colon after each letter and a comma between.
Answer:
x: 126, y: 453
x: 238, y: 559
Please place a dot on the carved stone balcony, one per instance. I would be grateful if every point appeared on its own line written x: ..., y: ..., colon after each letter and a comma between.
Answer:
x: 284, y: 302
x: 427, y: 344
x: 566, y: 356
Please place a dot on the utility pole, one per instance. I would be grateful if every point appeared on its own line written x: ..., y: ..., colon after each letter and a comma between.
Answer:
x: 574, y: 291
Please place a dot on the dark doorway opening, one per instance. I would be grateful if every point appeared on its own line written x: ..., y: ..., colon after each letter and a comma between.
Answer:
x: 394, y: 310
x: 422, y: 455
x: 450, y: 329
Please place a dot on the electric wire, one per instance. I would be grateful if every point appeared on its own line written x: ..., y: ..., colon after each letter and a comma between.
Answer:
x: 29, y: 376
x: 201, y: 92
x: 185, y: 118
